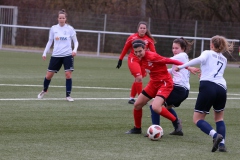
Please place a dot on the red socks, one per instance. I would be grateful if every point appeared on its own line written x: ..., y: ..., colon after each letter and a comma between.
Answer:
x: 137, y: 114
x: 136, y: 89
x: 138, y: 86
x: 133, y: 91
x: 165, y: 113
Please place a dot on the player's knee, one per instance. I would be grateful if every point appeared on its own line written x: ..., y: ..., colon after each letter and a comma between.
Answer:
x: 156, y: 108
x: 138, y: 79
x: 68, y: 75
x: 49, y: 75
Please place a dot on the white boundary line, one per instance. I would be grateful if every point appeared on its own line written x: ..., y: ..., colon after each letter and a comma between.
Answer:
x: 86, y: 87
x: 106, y: 88
x: 57, y: 99
x: 26, y: 85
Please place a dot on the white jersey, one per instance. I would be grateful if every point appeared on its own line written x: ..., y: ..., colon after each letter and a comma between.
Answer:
x: 62, y: 37
x: 180, y: 78
x: 213, y: 65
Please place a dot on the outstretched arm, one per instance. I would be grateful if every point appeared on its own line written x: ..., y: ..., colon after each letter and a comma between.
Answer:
x: 126, y: 48
x: 190, y: 63
x: 172, y: 61
x: 194, y: 70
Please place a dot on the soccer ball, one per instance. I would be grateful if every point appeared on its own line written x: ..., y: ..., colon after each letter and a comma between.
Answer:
x: 155, y: 132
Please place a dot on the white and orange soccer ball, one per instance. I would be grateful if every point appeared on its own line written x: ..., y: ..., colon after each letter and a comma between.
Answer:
x: 155, y: 132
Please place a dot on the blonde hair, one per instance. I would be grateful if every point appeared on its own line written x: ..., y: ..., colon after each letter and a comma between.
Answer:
x: 221, y: 45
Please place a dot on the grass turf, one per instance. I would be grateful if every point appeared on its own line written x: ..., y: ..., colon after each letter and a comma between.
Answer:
x: 94, y: 128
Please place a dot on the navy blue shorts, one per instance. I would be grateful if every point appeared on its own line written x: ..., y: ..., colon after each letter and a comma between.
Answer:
x: 177, y: 96
x: 210, y: 95
x: 56, y: 63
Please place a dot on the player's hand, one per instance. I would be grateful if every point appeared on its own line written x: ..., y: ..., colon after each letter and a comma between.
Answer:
x: 194, y: 70
x: 74, y: 54
x: 44, y: 58
x: 176, y: 69
x: 199, y: 75
x: 119, y: 63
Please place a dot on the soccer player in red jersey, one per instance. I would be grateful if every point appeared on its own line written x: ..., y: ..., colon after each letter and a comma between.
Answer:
x: 159, y: 87
x: 133, y: 61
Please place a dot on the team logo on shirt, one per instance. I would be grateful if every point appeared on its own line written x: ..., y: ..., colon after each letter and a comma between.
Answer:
x: 146, y: 42
x: 147, y: 70
x: 60, y: 38
x: 150, y: 63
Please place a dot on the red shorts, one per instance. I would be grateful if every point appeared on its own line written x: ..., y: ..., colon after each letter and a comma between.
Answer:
x: 156, y: 88
x: 135, y: 67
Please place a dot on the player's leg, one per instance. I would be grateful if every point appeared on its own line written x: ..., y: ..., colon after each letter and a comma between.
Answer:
x: 135, y: 69
x: 218, y: 107
x: 205, y: 100
x: 174, y: 100
x: 161, y: 110
x: 137, y: 114
x: 221, y: 129
x: 54, y: 66
x: 205, y: 127
x: 68, y: 67
x: 47, y: 80
x: 175, y: 97
x: 157, y: 105
x: 154, y: 116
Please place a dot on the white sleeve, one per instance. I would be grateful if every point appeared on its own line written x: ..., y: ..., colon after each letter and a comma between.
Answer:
x: 47, y: 47
x: 170, y: 70
x: 50, y: 40
x: 75, y: 41
x: 194, y: 61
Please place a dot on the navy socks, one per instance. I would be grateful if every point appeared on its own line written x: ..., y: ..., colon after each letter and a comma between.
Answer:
x: 46, y: 83
x: 68, y: 87
x: 155, y: 117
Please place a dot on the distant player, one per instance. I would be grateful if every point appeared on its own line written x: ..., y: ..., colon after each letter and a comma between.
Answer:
x: 181, y: 84
x: 62, y: 34
x: 133, y: 62
x: 212, y: 90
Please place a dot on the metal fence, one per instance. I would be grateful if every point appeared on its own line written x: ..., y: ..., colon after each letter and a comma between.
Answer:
x: 108, y: 33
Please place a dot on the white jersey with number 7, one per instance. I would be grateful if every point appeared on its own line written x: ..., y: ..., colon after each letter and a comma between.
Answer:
x: 213, y: 65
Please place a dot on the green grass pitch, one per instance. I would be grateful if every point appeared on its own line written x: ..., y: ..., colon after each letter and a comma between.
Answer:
x: 93, y: 126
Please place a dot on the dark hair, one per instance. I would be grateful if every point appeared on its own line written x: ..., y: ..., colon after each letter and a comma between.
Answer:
x: 63, y: 11
x: 148, y: 33
x: 184, y: 44
x: 138, y: 43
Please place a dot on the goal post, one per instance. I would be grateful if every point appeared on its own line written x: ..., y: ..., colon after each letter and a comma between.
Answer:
x: 8, y: 15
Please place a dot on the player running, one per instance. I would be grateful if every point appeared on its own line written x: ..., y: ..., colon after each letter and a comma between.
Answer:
x: 159, y: 86
x: 133, y: 62
x: 212, y: 90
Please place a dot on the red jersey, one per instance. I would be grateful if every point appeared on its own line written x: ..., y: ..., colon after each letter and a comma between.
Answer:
x: 155, y: 65
x: 128, y: 45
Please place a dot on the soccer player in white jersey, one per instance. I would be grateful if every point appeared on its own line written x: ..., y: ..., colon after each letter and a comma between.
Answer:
x: 212, y: 89
x: 180, y: 48
x: 62, y: 34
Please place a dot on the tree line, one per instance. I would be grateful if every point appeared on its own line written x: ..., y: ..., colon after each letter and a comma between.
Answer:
x: 204, y: 10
